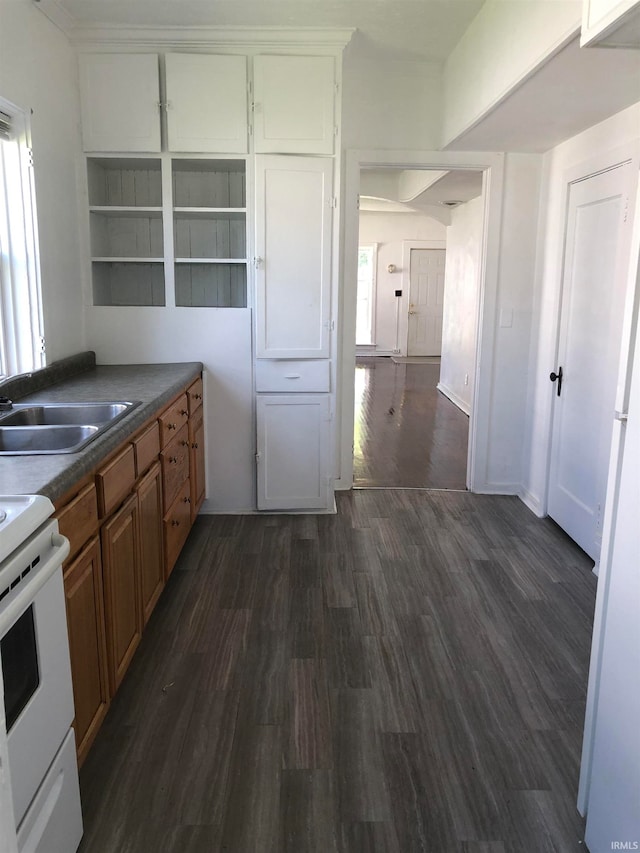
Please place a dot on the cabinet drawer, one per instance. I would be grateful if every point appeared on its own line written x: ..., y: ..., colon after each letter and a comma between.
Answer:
x: 175, y: 465
x: 115, y: 481
x: 78, y: 520
x: 177, y: 523
x: 146, y: 448
x: 282, y: 376
x: 194, y: 394
x: 172, y: 419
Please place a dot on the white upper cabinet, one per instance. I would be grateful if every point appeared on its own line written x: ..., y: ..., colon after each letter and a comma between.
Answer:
x: 294, y: 201
x: 293, y: 110
x: 206, y: 103
x: 610, y: 23
x: 120, y: 97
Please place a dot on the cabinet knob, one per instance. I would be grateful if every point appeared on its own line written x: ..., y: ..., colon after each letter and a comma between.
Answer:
x: 184, y: 443
x: 195, y: 445
x: 173, y: 460
x: 175, y: 523
x: 187, y: 500
x: 184, y: 412
x: 197, y: 396
x: 171, y: 426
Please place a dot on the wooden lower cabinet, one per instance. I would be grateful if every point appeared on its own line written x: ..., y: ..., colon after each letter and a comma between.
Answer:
x: 120, y: 557
x: 149, y: 492
x: 196, y: 462
x: 177, y: 524
x: 87, y: 646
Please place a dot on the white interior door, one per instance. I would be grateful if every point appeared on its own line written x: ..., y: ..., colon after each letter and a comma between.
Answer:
x: 596, y: 252
x: 426, y: 301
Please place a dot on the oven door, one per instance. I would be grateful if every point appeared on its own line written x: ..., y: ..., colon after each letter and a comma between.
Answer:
x: 34, y: 652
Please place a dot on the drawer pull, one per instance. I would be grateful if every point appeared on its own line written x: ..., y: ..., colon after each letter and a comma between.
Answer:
x: 292, y: 376
x: 172, y: 426
x: 197, y: 396
x: 184, y: 412
x: 184, y: 443
x: 175, y: 523
x: 173, y: 460
x: 195, y: 445
x: 187, y: 500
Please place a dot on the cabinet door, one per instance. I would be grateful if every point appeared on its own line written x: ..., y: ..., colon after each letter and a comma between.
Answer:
x: 197, y: 465
x: 293, y: 458
x: 294, y: 104
x: 87, y: 647
x: 293, y: 245
x: 120, y: 558
x: 206, y: 103
x: 119, y: 94
x: 149, y: 493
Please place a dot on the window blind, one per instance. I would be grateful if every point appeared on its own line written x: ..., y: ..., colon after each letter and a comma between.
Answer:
x: 5, y: 126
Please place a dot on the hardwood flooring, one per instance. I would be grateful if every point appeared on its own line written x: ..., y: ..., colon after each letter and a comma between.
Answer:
x: 407, y: 675
x: 407, y: 434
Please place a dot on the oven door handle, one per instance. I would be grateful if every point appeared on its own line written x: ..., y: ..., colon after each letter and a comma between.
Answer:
x: 28, y: 591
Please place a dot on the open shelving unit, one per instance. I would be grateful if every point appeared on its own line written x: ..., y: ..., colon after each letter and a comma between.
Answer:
x: 126, y: 231
x: 210, y: 232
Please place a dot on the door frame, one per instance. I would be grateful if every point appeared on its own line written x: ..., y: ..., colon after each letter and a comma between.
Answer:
x: 407, y: 246
x: 492, y: 166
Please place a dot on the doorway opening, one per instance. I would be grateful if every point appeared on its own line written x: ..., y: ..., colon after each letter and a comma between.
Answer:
x: 416, y: 318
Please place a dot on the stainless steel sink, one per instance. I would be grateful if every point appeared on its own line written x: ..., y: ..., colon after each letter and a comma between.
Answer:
x: 24, y: 440
x: 46, y: 428
x: 62, y: 414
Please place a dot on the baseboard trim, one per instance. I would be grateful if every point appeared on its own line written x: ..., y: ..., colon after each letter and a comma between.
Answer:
x: 531, y: 502
x: 457, y: 401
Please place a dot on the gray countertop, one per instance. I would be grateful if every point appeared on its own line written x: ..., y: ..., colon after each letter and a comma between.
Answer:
x: 53, y: 475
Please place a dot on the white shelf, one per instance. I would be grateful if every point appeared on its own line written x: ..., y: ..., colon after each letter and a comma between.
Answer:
x: 123, y: 259
x: 126, y: 212
x: 211, y: 261
x: 238, y: 213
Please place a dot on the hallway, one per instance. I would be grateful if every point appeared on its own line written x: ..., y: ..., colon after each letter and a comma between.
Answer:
x: 407, y: 676
x: 406, y: 433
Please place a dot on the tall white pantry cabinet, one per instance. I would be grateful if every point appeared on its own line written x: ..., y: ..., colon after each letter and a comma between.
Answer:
x: 219, y: 152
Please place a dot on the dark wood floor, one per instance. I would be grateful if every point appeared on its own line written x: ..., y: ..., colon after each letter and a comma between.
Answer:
x: 406, y: 432
x: 407, y: 675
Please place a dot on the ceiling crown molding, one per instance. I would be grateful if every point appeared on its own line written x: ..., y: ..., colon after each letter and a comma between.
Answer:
x: 110, y: 35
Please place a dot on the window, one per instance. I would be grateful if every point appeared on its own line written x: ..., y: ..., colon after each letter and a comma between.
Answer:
x: 21, y: 341
x: 366, y: 299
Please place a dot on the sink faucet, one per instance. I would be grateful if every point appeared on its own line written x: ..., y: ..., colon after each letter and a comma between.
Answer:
x: 5, y: 404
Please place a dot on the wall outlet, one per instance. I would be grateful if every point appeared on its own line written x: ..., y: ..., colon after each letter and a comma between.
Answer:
x: 466, y: 379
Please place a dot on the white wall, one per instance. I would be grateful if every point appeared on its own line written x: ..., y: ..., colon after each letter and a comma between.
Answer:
x: 221, y: 339
x: 38, y: 71
x: 504, y: 44
x: 389, y: 230
x: 390, y: 104
x: 461, y: 285
x: 600, y: 145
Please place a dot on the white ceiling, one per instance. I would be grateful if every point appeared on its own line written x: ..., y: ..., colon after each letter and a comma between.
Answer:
x: 381, y: 190
x: 403, y: 29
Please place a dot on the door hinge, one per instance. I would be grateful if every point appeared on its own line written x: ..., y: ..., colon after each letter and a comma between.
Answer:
x: 358, y: 203
x: 30, y: 157
x: 333, y: 202
x: 626, y: 208
x: 330, y: 324
x: 335, y: 130
x: 337, y: 87
x: 258, y: 456
x: 42, y: 343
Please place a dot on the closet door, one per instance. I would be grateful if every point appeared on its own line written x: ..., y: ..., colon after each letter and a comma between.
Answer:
x: 120, y: 102
x: 294, y: 204
x: 293, y: 110
x: 206, y: 103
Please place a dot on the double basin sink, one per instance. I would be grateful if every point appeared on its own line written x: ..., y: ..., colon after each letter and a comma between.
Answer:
x: 45, y: 428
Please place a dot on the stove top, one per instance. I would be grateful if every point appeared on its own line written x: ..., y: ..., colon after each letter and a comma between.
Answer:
x: 20, y: 516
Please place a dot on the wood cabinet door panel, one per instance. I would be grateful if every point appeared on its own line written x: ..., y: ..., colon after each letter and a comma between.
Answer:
x: 87, y: 645
x: 197, y: 463
x: 173, y: 419
x: 120, y: 96
x: 115, y: 481
x: 293, y: 242
x: 294, y: 104
x: 175, y: 465
x: 147, y: 448
x: 206, y: 103
x: 120, y: 558
x: 149, y: 493
x: 177, y: 523
x: 78, y: 520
